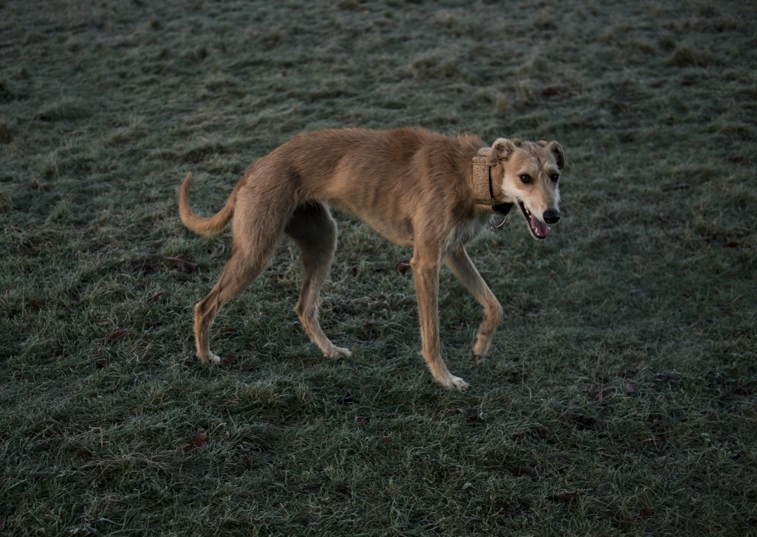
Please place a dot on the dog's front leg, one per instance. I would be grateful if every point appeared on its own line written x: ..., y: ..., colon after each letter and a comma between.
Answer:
x: 462, y: 267
x: 425, y: 265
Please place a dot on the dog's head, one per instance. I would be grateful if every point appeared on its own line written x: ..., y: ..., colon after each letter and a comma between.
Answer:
x: 527, y: 173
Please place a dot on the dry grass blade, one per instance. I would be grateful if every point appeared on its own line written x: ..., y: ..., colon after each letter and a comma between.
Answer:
x: 182, y: 263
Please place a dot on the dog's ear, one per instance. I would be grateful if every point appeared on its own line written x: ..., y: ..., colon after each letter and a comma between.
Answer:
x: 556, y: 150
x: 501, y: 150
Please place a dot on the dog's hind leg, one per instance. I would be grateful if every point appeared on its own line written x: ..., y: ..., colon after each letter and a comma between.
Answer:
x: 239, y: 271
x: 461, y: 266
x: 314, y: 231
x: 256, y: 229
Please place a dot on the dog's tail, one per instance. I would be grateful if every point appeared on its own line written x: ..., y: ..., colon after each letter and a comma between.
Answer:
x: 204, y: 226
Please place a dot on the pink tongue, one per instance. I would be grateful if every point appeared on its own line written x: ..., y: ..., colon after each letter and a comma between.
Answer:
x: 539, y: 226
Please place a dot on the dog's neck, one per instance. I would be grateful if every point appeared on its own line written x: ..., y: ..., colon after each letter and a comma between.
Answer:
x: 484, y: 190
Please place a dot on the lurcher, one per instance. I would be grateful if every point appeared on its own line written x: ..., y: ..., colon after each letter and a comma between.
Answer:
x: 415, y: 188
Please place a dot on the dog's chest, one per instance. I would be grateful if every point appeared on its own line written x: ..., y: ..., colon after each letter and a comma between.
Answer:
x: 466, y: 232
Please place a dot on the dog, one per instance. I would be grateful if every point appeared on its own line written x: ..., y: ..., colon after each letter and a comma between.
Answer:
x: 416, y: 188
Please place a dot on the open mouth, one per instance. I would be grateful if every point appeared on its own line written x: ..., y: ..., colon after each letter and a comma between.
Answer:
x: 539, y: 229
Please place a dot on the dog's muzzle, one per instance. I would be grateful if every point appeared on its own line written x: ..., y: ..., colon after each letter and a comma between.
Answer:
x: 539, y: 229
x: 551, y: 216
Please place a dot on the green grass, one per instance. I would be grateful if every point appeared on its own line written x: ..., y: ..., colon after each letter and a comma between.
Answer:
x: 620, y: 393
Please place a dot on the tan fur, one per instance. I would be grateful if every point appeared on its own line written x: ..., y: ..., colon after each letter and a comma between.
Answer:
x: 412, y: 186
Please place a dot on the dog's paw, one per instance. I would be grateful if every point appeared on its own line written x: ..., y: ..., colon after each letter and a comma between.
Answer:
x: 478, y: 358
x: 454, y: 383
x: 460, y: 384
x: 338, y: 352
x: 209, y: 358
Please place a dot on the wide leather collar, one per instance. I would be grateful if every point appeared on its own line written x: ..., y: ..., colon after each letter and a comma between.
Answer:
x: 483, y: 188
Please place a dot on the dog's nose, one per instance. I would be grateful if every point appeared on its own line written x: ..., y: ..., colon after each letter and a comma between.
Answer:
x: 551, y: 216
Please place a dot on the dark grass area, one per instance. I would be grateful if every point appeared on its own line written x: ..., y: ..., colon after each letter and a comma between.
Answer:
x: 619, y: 396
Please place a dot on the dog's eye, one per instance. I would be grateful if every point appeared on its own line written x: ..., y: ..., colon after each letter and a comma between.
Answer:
x: 525, y: 178
x: 555, y: 177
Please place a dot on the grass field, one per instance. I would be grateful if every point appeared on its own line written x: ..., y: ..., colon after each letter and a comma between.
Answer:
x: 620, y: 392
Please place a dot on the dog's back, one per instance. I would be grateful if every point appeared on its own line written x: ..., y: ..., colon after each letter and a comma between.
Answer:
x: 386, y: 178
